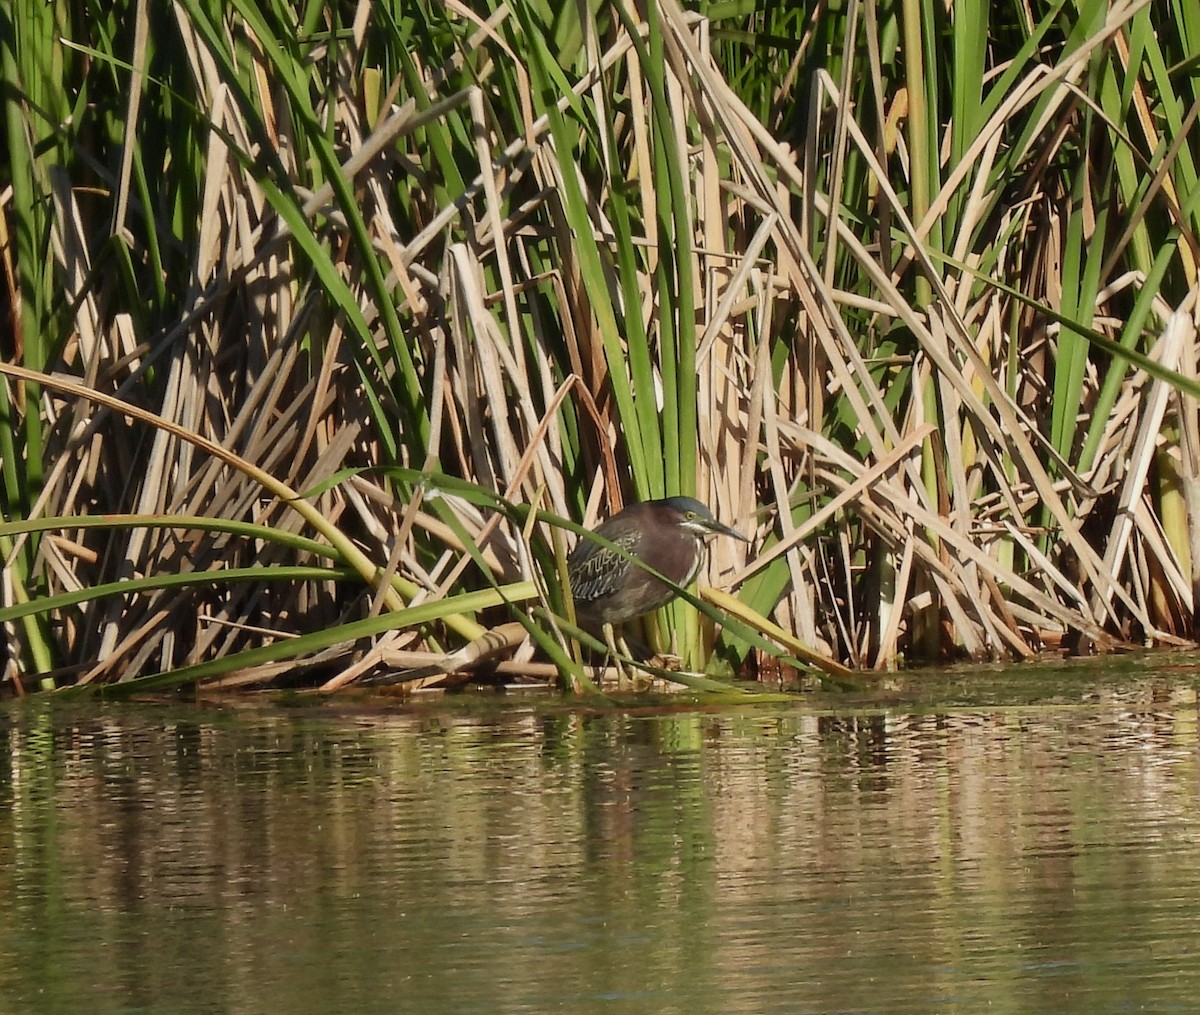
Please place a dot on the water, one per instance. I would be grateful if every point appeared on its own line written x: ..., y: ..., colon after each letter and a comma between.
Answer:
x: 948, y: 851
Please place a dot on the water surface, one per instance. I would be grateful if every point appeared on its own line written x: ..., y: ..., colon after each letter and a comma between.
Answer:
x: 963, y: 843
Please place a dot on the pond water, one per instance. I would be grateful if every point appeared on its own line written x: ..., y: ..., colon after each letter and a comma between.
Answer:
x: 1016, y: 841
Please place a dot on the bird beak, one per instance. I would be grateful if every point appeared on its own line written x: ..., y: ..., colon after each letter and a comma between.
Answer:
x: 717, y: 529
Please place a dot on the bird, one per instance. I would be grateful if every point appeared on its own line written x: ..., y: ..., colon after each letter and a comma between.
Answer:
x: 668, y: 535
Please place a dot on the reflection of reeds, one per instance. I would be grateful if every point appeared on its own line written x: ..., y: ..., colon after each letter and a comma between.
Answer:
x: 490, y: 853
x: 422, y: 278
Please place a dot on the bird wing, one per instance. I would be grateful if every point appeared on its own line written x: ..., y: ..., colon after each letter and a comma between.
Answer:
x: 598, y: 570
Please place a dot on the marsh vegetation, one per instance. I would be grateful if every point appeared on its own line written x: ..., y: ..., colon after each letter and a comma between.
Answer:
x: 323, y: 319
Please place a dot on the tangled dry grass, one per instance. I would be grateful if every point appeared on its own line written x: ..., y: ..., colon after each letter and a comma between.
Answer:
x: 316, y: 324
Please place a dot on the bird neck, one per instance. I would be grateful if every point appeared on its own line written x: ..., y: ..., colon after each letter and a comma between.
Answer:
x: 701, y: 546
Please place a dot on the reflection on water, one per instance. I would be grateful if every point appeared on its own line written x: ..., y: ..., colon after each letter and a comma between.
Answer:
x: 1031, y: 859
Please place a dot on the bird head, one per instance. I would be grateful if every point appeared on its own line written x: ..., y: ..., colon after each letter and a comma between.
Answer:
x: 694, y: 518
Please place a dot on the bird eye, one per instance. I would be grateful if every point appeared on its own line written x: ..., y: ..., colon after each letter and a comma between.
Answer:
x: 690, y: 516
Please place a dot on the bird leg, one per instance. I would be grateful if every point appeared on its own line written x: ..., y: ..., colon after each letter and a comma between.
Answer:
x: 638, y: 680
x: 612, y: 640
x: 624, y: 646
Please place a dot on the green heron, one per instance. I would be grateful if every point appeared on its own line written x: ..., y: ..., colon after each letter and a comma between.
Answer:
x: 668, y: 535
